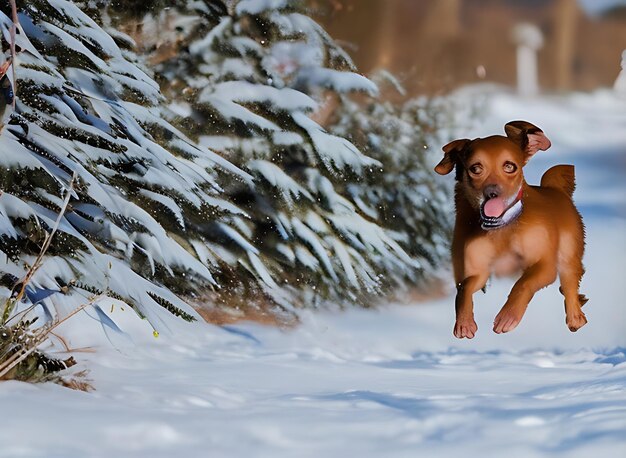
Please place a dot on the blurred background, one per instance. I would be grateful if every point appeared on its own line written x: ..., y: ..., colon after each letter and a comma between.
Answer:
x: 433, y: 46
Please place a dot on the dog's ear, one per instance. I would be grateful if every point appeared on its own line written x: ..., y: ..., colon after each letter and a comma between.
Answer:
x: 529, y: 137
x: 452, y: 153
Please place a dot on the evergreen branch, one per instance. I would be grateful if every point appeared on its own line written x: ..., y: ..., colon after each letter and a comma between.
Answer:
x: 10, y: 303
x: 21, y: 314
x: 108, y: 292
x: 167, y: 305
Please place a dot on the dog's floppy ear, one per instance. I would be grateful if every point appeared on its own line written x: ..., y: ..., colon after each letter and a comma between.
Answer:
x: 452, y: 152
x: 529, y: 137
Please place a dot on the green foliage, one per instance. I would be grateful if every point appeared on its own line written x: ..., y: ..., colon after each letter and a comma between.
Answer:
x: 403, y: 194
x: 172, y: 308
x: 250, y: 85
x: 86, y: 107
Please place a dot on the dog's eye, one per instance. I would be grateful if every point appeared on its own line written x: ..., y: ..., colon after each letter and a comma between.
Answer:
x: 509, y: 167
x: 476, y: 169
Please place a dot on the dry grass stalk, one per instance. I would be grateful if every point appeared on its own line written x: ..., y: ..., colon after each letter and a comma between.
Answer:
x: 40, y: 336
x: 78, y: 382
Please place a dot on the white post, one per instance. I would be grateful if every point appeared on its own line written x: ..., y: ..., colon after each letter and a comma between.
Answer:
x: 620, y: 83
x: 529, y: 40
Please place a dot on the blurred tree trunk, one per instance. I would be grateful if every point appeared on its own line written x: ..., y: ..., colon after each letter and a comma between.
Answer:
x: 440, y: 45
x: 565, y: 34
x: 443, y: 20
x: 387, y: 12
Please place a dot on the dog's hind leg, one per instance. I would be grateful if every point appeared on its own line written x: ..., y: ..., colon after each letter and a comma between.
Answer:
x: 571, y: 270
x: 570, y: 275
x: 582, y: 299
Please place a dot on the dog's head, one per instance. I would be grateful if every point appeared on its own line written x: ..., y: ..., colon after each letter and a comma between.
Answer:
x: 489, y: 169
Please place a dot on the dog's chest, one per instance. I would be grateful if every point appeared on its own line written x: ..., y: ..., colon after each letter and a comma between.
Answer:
x: 506, y: 265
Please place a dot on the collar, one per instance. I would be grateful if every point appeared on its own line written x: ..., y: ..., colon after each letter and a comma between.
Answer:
x: 509, y: 215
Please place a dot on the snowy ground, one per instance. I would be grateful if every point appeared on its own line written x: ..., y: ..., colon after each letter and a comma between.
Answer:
x: 390, y: 382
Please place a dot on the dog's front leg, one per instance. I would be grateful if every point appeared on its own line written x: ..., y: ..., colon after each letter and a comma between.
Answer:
x: 465, y: 325
x: 537, y: 276
x: 471, y: 260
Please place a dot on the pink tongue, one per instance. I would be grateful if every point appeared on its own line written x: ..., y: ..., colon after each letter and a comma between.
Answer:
x: 494, y: 207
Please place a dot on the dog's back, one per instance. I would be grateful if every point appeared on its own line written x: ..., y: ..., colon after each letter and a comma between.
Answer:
x: 554, y: 199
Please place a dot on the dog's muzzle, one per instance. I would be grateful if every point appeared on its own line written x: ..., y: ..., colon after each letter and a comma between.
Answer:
x: 510, y: 214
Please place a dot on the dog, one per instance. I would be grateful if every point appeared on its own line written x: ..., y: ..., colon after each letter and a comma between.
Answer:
x: 506, y: 226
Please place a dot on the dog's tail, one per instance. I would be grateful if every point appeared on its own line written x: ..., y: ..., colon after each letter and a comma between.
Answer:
x: 561, y: 177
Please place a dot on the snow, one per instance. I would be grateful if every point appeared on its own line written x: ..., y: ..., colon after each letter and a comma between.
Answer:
x: 308, y: 237
x: 168, y: 202
x: 238, y: 238
x: 342, y: 82
x: 279, y: 179
x: 260, y: 269
x: 332, y: 150
x: 258, y: 6
x: 391, y: 381
x: 244, y: 92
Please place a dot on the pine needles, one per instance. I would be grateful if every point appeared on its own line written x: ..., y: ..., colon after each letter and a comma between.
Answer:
x: 19, y: 339
x: 20, y: 288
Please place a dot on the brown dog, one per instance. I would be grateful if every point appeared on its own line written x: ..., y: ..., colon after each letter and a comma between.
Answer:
x: 503, y: 226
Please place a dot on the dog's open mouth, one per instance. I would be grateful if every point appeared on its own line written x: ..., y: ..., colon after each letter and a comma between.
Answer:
x: 490, y: 219
x: 494, y: 207
x: 495, y: 212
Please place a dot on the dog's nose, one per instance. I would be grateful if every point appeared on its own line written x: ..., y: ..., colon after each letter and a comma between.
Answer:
x: 491, y: 191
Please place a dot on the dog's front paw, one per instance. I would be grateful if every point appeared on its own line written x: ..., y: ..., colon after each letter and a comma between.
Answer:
x: 465, y: 327
x: 575, y: 320
x: 507, y: 319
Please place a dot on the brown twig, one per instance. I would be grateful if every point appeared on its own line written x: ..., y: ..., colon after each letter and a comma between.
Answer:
x: 13, y: 32
x: 62, y: 340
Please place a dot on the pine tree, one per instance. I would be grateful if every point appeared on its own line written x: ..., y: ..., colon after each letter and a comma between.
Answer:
x: 250, y: 85
x: 143, y: 221
x: 404, y: 195
x: 219, y: 179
